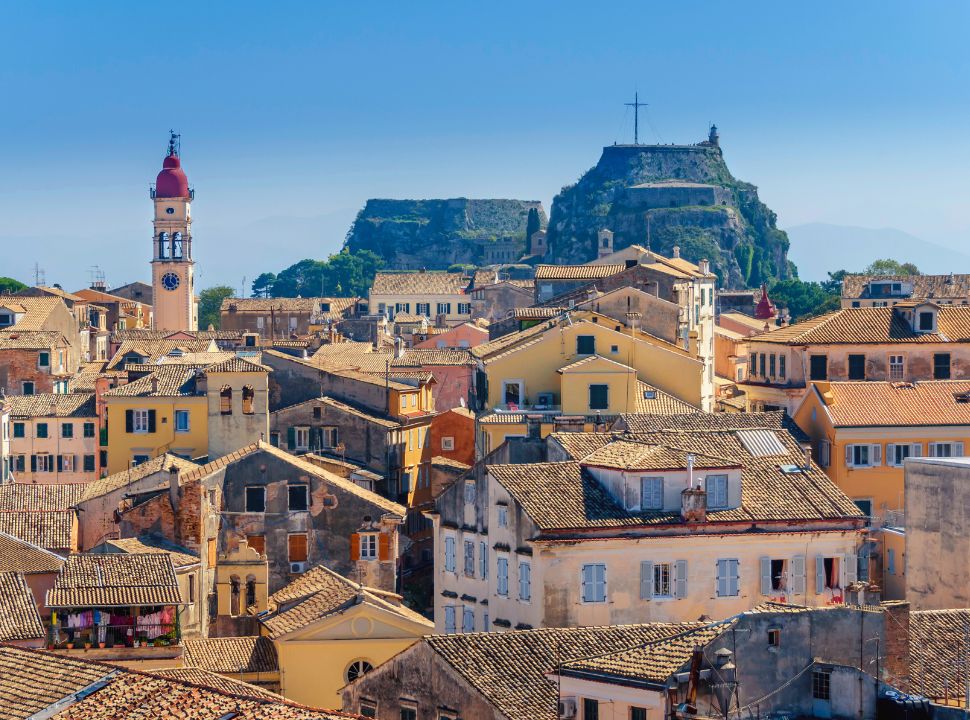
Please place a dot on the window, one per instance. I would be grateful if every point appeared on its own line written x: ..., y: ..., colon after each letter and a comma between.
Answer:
x: 771, y: 364
x: 865, y: 507
x: 638, y: 713
x: 89, y: 429
x: 503, y: 515
x: 761, y: 365
x: 594, y: 583
x: 656, y: 580
x: 402, y: 308
x: 717, y: 495
x: 946, y: 449
x: 43, y: 359
x: 863, y: 455
x: 774, y: 575
x: 450, y: 619
x: 891, y: 561
x: 728, y: 578
x: 298, y: 497
x: 225, y: 400
x: 67, y: 430
x: 444, y: 308
x: 591, y: 709
x: 358, y: 668
x: 941, y: 366
x: 368, y: 546
x: 467, y: 619
x: 857, y: 367
x: 599, y: 397
x: 448, y: 443
x: 824, y: 453
x: 828, y: 573
x: 18, y: 429
x: 502, y: 566
x: 818, y: 367
x: 585, y: 344
x: 139, y: 459
x: 781, y: 366
x: 483, y: 561
x: 42, y: 430
x: 27, y: 387
x: 449, y: 554
x: 248, y: 399
x: 257, y: 543
x: 409, y: 713
x: 424, y: 309
x: 89, y: 464
x: 301, y: 438
x: 821, y: 684
x: 181, y: 421
x: 896, y: 453
x: 297, y: 547
x: 525, y: 581
x: 754, y: 364
x: 774, y: 638
x: 368, y: 709
x: 141, y: 420
x: 896, y: 368
x: 926, y: 321
x: 651, y: 493
x: 464, y: 308
x: 256, y: 499
x: 469, y: 558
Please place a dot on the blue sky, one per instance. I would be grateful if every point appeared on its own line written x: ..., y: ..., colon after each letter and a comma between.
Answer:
x: 293, y: 114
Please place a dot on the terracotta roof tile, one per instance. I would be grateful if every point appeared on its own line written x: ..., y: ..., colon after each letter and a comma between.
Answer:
x: 938, y: 651
x: 654, y: 401
x: 52, y: 405
x: 339, y: 306
x: 577, y: 272
x: 19, y: 619
x: 31, y: 681
x: 434, y: 356
x: 206, y: 678
x: 924, y: 286
x: 162, y: 381
x: 115, y: 580
x: 152, y: 349
x: 50, y: 529
x: 419, y: 283
x: 36, y: 310
x: 632, y: 455
x: 29, y: 339
x: 232, y: 654
x: 16, y: 555
x: 874, y: 325
x: 890, y: 404
x: 105, y: 485
x: 154, y: 544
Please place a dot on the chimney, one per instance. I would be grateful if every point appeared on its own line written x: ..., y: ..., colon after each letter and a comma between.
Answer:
x: 726, y: 672
x: 154, y: 382
x: 690, y: 471
x: 693, y: 505
x: 896, y: 629
x: 676, y: 251
x: 705, y: 266
x: 173, y: 485
x: 398, y: 346
x: 806, y: 457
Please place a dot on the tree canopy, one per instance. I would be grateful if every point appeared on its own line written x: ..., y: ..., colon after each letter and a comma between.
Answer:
x: 210, y: 300
x: 344, y: 274
x: 9, y: 285
x: 889, y: 266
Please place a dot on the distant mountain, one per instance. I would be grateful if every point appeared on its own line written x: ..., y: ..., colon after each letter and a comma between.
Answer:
x: 818, y: 248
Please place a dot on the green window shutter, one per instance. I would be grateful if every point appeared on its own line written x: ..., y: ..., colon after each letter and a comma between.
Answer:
x: 151, y: 421
x: 291, y: 438
x: 129, y: 421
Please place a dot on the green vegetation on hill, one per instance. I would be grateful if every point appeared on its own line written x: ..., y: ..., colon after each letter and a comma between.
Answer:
x: 344, y: 274
x: 9, y: 285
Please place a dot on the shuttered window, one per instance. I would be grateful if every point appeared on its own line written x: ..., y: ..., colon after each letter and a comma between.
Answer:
x: 525, y: 581
x: 502, y: 581
x: 297, y: 547
x: 728, y: 578
x: 594, y: 583
x: 652, y: 493
x: 717, y: 491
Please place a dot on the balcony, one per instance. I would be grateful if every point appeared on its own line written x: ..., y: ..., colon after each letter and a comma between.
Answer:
x: 117, y: 641
x: 530, y: 409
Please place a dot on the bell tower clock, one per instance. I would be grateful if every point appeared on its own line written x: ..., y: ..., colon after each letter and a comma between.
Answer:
x: 175, y: 305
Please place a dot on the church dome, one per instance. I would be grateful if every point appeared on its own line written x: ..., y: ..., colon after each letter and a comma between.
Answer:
x: 171, y: 181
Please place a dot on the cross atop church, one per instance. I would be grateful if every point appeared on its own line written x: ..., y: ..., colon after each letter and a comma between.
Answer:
x: 636, y: 105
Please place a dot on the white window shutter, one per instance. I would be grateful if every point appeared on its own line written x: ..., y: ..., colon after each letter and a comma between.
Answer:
x: 631, y: 496
x: 850, y: 568
x: 765, y: 575
x: 735, y: 577
x: 890, y: 453
x: 798, y: 575
x: 932, y: 449
x: 916, y: 450
x: 721, y: 578
x: 848, y: 455
x: 958, y: 449
x: 680, y: 579
x: 819, y: 574
x: 875, y: 455
x: 646, y: 580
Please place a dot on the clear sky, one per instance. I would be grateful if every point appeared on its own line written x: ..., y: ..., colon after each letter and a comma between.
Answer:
x: 293, y: 114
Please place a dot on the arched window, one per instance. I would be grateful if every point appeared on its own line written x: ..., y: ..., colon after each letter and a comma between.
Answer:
x: 225, y: 400
x: 177, y: 245
x: 234, y: 596
x: 358, y: 668
x: 163, y: 245
x: 249, y: 396
x: 250, y: 591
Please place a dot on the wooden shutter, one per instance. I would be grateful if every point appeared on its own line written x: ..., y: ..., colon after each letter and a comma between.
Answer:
x: 798, y: 575
x: 291, y: 438
x: 680, y: 579
x: 819, y: 574
x: 850, y: 569
x: 890, y: 453
x: 765, y: 575
x: 848, y: 455
x: 916, y: 450
x: 211, y: 552
x: 646, y: 580
x: 355, y: 547
x: 257, y: 543
x: 958, y: 449
x: 875, y: 455
x: 631, y: 497
x: 151, y: 421
x: 60, y: 463
x: 129, y: 421
x: 734, y: 577
x: 721, y: 574
x: 298, y: 547
x: 33, y: 463
x: 384, y: 547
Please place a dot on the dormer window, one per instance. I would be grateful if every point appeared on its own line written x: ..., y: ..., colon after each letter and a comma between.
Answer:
x: 6, y: 319
x: 926, y: 320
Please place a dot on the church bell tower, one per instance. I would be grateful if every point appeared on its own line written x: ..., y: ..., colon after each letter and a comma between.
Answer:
x: 175, y: 306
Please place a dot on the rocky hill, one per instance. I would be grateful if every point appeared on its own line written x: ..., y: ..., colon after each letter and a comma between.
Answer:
x: 435, y: 234
x: 666, y: 195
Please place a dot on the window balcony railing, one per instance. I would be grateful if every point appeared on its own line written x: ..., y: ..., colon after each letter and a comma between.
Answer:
x: 527, y: 408
x: 113, y: 636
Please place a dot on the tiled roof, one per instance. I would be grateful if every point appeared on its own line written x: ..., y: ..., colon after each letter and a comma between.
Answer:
x: 163, y: 381
x: 419, y: 283
x: 232, y: 655
x: 437, y: 356
x: 115, y: 580
x: 36, y: 310
x: 352, y: 355
x: 641, y: 423
x: 28, y: 339
x: 889, y: 404
x: 19, y: 556
x: 579, y: 445
x: 154, y: 544
x: 441, y: 461
x: 562, y: 496
x: 938, y: 650
x: 653, y: 401
x: 484, y: 660
x: 198, y: 676
x: 52, y: 405
x: 501, y: 344
x: 924, y: 286
x: 49, y: 529
x: 338, y: 305
x: 536, y: 313
x: 24, y: 497
x: 874, y: 325
x: 19, y: 619
x: 153, y: 348
x: 632, y: 455
x: 653, y: 662
x: 576, y: 272
x: 105, y: 485
x: 236, y: 365
x: 145, y: 334
x: 205, y: 357
x: 592, y: 360
x: 31, y: 681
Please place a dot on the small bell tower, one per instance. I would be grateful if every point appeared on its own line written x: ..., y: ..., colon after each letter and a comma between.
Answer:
x: 175, y: 306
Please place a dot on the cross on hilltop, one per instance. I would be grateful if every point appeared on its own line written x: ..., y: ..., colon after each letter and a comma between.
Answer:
x: 636, y: 105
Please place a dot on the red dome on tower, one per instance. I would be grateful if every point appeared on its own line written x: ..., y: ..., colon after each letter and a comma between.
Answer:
x: 765, y: 309
x: 171, y: 181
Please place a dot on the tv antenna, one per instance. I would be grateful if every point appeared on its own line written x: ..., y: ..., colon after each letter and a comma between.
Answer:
x: 40, y: 277
x: 636, y: 105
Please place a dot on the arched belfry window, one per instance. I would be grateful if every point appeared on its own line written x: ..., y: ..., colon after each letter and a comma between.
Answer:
x: 225, y: 400
x: 177, y: 245
x: 234, y: 596
x: 163, y: 245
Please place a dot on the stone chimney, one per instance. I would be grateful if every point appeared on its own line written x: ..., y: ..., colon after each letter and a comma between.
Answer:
x: 726, y: 676
x: 154, y: 382
x: 705, y: 266
x: 398, y: 346
x: 896, y: 670
x: 693, y: 500
x: 676, y: 251
x: 173, y: 486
